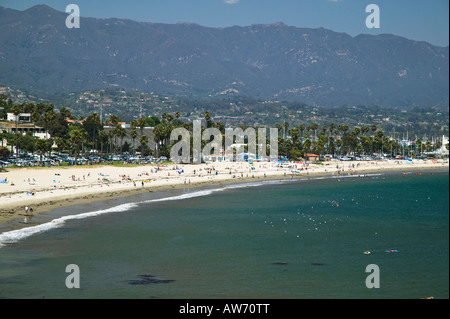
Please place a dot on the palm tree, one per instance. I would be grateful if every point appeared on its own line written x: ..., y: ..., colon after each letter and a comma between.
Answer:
x: 418, y: 145
x: 121, y: 132
x: 314, y: 127
x: 49, y: 116
x: 41, y: 146
x: 279, y: 127
x: 65, y: 112
x: 35, y: 116
x: 144, y: 141
x: 373, y: 128
x: 207, y: 117
x: 169, y: 117
x: 157, y: 132
x: 110, y: 134
x: 2, y: 136
x: 17, y: 109
x: 133, y: 135
x: 285, y: 126
x: 118, y: 133
x: 113, y: 120
x: 75, y: 140
x: 140, y: 122
x: 301, y: 128
x: 332, y: 127
x: 102, y: 136
x: 60, y: 143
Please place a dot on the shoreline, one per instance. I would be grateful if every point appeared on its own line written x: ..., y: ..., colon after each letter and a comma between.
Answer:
x: 46, y: 189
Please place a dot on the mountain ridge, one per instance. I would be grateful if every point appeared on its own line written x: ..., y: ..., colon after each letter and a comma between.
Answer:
x: 272, y: 61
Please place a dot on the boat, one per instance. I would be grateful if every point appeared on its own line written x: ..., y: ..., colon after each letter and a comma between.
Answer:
x: 367, y: 252
x: 393, y: 251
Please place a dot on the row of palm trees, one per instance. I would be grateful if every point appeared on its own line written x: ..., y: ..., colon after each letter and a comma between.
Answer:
x: 293, y: 142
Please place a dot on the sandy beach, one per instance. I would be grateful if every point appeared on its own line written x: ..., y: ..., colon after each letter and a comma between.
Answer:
x: 44, y: 189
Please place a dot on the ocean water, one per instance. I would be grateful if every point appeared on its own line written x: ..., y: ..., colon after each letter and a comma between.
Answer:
x: 297, y: 239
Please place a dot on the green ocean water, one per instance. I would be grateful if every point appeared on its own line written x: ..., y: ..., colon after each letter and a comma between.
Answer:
x: 280, y: 239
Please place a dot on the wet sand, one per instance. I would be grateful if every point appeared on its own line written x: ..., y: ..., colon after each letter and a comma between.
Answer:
x: 44, y: 189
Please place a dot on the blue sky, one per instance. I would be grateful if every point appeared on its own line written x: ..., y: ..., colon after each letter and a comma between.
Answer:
x: 414, y: 19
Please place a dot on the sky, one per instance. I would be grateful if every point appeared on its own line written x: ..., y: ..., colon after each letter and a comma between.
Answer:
x: 422, y: 20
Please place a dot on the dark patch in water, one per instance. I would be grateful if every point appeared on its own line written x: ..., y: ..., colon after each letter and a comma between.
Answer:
x: 148, y: 279
x: 317, y: 264
x: 279, y: 264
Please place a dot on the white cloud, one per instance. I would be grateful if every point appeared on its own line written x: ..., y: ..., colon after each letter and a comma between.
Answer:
x: 231, y: 1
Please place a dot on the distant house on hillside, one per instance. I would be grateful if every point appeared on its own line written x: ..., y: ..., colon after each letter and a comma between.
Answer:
x: 22, y: 117
x: 68, y: 120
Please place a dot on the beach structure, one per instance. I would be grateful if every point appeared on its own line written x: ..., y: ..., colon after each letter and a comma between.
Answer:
x: 24, y: 128
x: 443, y: 149
x: 312, y: 158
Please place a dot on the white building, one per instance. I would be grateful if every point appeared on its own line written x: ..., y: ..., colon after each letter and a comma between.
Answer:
x: 24, y: 128
x: 443, y: 149
x: 22, y: 117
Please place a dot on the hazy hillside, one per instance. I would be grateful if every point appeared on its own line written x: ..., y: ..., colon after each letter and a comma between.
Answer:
x: 316, y: 66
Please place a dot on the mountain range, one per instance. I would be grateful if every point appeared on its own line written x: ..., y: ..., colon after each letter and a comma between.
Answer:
x: 39, y: 54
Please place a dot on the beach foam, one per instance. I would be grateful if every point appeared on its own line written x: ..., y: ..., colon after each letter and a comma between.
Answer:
x: 205, y: 192
x: 14, y: 236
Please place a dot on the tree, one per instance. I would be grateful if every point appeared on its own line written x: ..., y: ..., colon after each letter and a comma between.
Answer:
x: 93, y: 126
x: 60, y: 143
x: 41, y: 147
x: 2, y: 136
x: 103, y: 136
x: 49, y: 117
x: 133, y: 135
x: 110, y: 134
x: 143, y: 141
x: 157, y: 132
x: 76, y: 139
x: 17, y: 109
x: 301, y: 129
x: 121, y: 133
x: 152, y: 121
x: 419, y: 146
x: 285, y: 128
x: 373, y: 128
x: 209, y: 122
x: 314, y: 127
x: 113, y: 120
x: 65, y: 112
